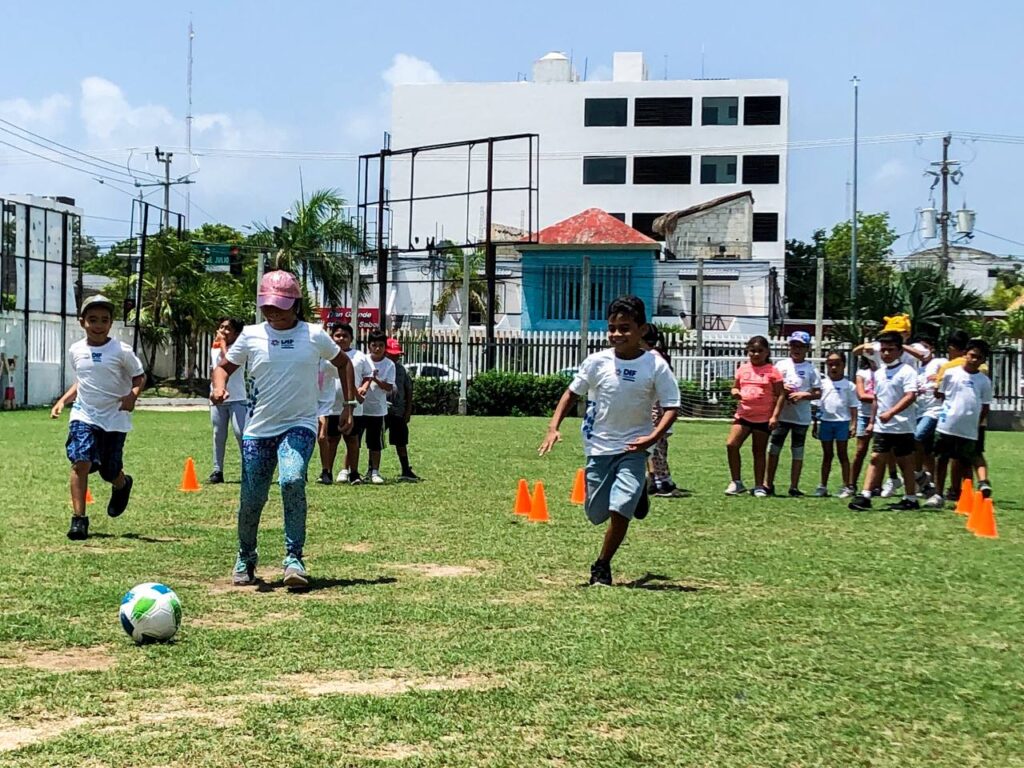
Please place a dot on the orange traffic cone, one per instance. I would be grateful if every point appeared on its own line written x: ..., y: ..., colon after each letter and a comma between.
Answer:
x: 977, y: 508
x: 523, y: 502
x: 88, y: 497
x: 188, y: 479
x: 539, y: 507
x: 985, y: 526
x: 966, y: 500
x: 579, y: 489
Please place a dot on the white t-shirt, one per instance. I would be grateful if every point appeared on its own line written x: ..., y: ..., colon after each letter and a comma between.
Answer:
x: 362, y: 369
x: 330, y: 387
x: 236, y: 381
x: 837, y: 398
x: 927, y: 403
x: 891, y: 385
x: 284, y: 367
x: 376, y: 402
x: 104, y: 376
x: 867, y: 378
x: 797, y: 377
x: 965, y: 393
x: 620, y: 395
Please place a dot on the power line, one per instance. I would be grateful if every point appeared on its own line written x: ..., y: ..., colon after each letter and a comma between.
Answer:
x: 97, y: 176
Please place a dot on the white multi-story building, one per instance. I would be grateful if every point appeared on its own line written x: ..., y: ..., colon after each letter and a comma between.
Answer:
x: 634, y: 147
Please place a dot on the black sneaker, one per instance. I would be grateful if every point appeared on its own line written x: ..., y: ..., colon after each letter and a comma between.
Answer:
x: 860, y: 504
x: 796, y: 493
x: 876, y: 492
x: 600, y: 574
x: 408, y: 476
x: 643, y: 506
x: 355, y: 479
x: 119, y: 497
x: 952, y: 495
x: 652, y: 485
x: 986, y: 489
x: 325, y: 478
x: 665, y: 489
x: 770, y: 489
x: 905, y: 504
x: 79, y: 529
x: 215, y: 478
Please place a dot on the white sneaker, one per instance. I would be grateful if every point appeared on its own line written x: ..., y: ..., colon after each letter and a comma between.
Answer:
x: 760, y: 492
x: 847, y: 492
x: 375, y: 478
x: 735, y: 488
x: 343, y: 476
x: 935, y: 502
x: 821, y: 492
x: 891, y: 487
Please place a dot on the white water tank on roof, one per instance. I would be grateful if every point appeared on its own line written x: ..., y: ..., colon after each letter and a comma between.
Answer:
x: 552, y: 67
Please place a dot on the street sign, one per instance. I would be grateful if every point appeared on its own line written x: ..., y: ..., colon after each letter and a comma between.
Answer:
x: 217, y: 257
x: 369, y: 317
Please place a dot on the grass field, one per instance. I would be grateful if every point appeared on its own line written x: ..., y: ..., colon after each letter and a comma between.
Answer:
x: 441, y: 631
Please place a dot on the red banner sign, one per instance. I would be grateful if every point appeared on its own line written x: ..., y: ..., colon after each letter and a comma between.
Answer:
x: 369, y: 317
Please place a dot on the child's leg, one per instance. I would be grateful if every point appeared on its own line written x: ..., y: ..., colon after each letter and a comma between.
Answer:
x: 239, y: 417
x: 844, y: 462
x: 322, y: 443
x: 939, y: 477
x: 659, y: 459
x: 259, y: 459
x: 737, y: 436
x: 331, y: 452
x: 893, y: 467
x: 759, y: 449
x: 778, y: 439
x: 796, y: 447
x: 906, y: 465
x: 876, y: 470
x: 293, y: 454
x: 219, y: 422
x: 613, y: 536
x: 827, y: 454
x: 624, y: 496
x: 863, y: 443
x: 79, y: 485
x: 352, y: 454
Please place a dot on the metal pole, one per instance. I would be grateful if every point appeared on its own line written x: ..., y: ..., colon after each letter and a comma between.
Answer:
x: 259, y: 279
x: 141, y: 273
x: 853, y: 229
x: 819, y: 304
x: 944, y: 216
x: 698, y: 306
x: 490, y: 259
x: 584, y: 322
x: 165, y: 158
x: 382, y: 254
x: 464, y: 333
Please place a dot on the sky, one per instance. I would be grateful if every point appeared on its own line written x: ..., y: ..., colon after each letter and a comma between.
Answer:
x: 311, y: 76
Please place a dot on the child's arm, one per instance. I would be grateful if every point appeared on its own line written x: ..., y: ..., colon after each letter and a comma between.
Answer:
x: 407, y: 386
x: 66, y: 399
x: 913, y: 352
x: 905, y: 402
x: 565, y: 404
x: 128, y: 401
x: 736, y: 385
x: 853, y: 420
x: 348, y: 389
x: 219, y: 381
x: 643, y: 443
x: 862, y: 394
x: 779, y: 393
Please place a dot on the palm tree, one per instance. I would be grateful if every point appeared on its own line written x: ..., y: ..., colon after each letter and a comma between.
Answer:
x: 315, y: 242
x: 451, y: 285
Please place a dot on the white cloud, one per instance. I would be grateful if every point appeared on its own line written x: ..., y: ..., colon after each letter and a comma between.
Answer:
x: 601, y: 72
x: 105, y: 112
x: 366, y: 124
x: 46, y: 114
x: 890, y: 172
x: 408, y: 70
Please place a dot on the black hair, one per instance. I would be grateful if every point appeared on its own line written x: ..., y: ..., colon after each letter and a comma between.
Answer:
x: 630, y: 306
x: 891, y: 337
x: 652, y: 336
x: 760, y: 341
x: 377, y: 336
x: 980, y: 345
x: 335, y: 327
x: 838, y: 353
x: 864, y: 363
x: 958, y: 339
x: 237, y: 324
x: 924, y: 338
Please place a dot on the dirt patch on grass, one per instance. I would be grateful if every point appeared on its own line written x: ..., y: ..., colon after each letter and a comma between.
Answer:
x: 345, y: 683
x: 438, y: 571
x: 359, y: 549
x: 13, y: 736
x: 393, y: 751
x: 95, y: 659
x: 239, y: 620
x: 92, y: 549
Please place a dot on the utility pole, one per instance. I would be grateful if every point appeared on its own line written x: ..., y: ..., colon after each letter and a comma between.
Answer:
x: 463, y: 334
x: 853, y: 218
x: 819, y: 304
x: 165, y: 158
x: 698, y: 307
x: 584, y: 322
x: 944, y: 215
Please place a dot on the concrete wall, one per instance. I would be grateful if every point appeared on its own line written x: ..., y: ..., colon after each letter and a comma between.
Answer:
x: 701, y: 235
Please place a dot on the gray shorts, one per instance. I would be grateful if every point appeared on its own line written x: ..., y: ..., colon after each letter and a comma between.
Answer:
x: 614, y: 484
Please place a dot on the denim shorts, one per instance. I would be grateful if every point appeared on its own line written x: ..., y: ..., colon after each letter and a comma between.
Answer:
x: 862, y: 425
x: 925, y: 432
x: 615, y: 484
x: 834, y: 430
x: 104, y: 450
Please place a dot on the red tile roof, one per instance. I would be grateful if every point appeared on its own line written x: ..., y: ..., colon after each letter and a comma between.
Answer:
x: 592, y: 227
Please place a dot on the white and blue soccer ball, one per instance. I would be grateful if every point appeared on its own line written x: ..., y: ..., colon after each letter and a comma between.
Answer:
x: 151, y: 613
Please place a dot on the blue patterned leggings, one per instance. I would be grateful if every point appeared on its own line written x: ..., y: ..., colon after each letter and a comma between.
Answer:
x: 289, y: 453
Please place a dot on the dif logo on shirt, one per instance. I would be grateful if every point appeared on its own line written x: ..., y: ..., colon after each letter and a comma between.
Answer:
x: 283, y: 343
x: 627, y: 374
x: 97, y: 357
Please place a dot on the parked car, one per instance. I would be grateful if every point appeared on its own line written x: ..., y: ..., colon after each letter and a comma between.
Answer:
x: 433, y: 371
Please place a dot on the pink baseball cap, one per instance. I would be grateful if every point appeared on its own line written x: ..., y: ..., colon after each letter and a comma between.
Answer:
x: 278, y: 289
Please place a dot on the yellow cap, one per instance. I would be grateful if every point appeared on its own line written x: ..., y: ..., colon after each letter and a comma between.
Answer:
x: 899, y: 323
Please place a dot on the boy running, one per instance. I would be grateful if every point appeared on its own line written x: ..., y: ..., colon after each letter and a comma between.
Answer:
x: 108, y: 380
x: 400, y: 411
x: 802, y: 384
x: 622, y: 384
x: 837, y: 414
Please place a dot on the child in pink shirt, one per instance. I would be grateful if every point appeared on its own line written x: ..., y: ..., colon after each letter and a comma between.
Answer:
x: 759, y: 389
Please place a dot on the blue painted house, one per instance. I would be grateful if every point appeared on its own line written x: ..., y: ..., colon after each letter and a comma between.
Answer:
x: 621, y: 261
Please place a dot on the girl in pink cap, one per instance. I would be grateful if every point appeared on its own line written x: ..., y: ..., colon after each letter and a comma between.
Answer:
x: 283, y: 354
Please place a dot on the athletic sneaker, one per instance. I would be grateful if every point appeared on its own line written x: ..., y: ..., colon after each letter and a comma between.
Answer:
x: 643, y: 506
x: 355, y: 479
x: 847, y: 491
x: 215, y: 478
x: 891, y: 487
x: 860, y: 504
x: 295, y: 575
x: 935, y: 502
x: 735, y: 488
x: 760, y: 492
x: 665, y: 489
x: 375, y: 477
x: 343, y: 476
x: 244, y: 573
x: 820, y: 492
x: 927, y: 489
x: 905, y: 503
x: 796, y: 493
x: 79, y: 529
x: 652, y: 485
x: 876, y: 492
x: 119, y: 497
x: 600, y: 574
x: 325, y: 478
x: 953, y: 495
x: 986, y: 489
x: 408, y: 476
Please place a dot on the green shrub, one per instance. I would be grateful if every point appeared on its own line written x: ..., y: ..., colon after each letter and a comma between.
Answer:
x: 500, y: 393
x: 434, y: 397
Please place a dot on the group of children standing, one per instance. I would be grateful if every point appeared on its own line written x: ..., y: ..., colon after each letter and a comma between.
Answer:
x: 922, y: 417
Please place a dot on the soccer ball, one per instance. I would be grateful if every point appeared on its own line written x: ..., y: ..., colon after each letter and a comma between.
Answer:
x: 150, y: 613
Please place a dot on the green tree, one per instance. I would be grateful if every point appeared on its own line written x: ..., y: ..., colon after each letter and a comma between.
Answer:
x: 451, y: 283
x: 874, y: 268
x: 801, y: 275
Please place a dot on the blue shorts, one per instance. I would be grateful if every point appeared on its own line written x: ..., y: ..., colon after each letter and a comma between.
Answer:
x: 862, y: 425
x: 834, y: 430
x: 104, y: 450
x: 615, y: 484
x: 925, y: 433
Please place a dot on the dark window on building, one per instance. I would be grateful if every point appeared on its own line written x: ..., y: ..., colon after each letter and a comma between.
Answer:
x: 563, y: 290
x: 604, y: 170
x: 663, y: 111
x: 720, y: 110
x: 598, y: 112
x: 766, y: 227
x: 762, y: 110
x: 760, y: 169
x: 620, y: 216
x: 642, y: 222
x: 663, y: 169
x: 718, y: 169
